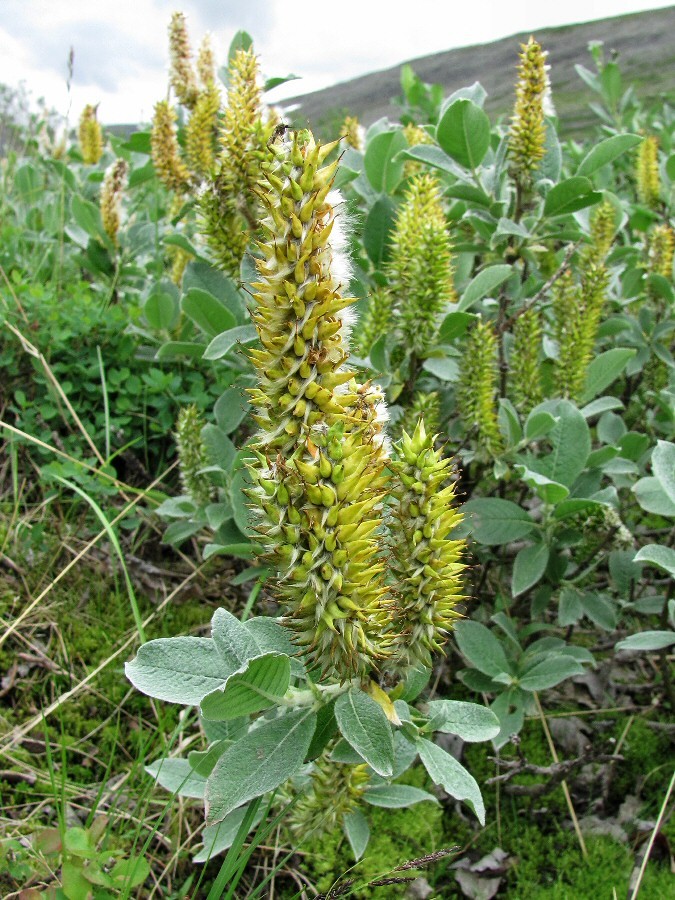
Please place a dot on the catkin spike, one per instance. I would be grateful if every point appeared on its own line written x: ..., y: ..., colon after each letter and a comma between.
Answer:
x: 201, y: 131
x: 192, y: 455
x: 421, y: 267
x: 647, y: 172
x: 377, y: 319
x: 170, y: 168
x: 112, y: 190
x: 353, y: 133
x: 206, y: 63
x: 660, y: 247
x: 426, y: 564
x: 319, y: 474
x: 527, y: 133
x: 524, y: 374
x: 229, y: 205
x: 181, y: 73
x: 477, y: 390
x: 90, y: 136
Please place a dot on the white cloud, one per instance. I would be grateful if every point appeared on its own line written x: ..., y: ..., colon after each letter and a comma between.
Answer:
x: 121, y: 45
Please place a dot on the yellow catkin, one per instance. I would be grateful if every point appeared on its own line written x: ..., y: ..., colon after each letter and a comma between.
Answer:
x: 90, y: 136
x: 415, y: 135
x: 353, y: 133
x: 527, y: 133
x: 660, y: 247
x: 420, y: 268
x: 426, y: 566
x: 477, y: 389
x: 171, y: 170
x: 524, y: 374
x: 602, y: 230
x: 200, y: 136
x: 112, y: 190
x: 647, y: 172
x: 229, y: 205
x: 181, y: 72
x: 206, y: 63
x: 335, y: 790
x: 320, y: 472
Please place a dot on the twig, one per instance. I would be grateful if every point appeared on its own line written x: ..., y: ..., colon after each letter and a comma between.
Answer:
x: 544, y: 289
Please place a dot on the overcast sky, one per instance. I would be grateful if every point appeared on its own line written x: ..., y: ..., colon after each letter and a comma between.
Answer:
x: 121, y: 46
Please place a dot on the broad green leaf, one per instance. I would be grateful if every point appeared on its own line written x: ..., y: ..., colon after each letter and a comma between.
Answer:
x: 481, y: 648
x: 179, y: 670
x: 431, y: 156
x: 178, y: 777
x: 570, y: 607
x: 219, y: 448
x: 376, y: 231
x: 570, y: 196
x: 604, y: 369
x: 601, y: 610
x: 454, y: 325
x: 483, y: 284
x: 230, y: 409
x: 201, y: 275
x: 464, y: 133
x: 172, y: 350
x: 550, y: 491
x: 259, y: 684
x: 397, y: 796
x: 161, y: 310
x: 207, y: 312
x: 233, y: 641
x: 546, y: 673
x: 88, y: 217
x: 222, y: 344
x: 262, y: 760
x: 356, y: 829
x: 382, y: 164
x: 663, y: 467
x: 538, y: 423
x: 651, y: 495
x: 470, y: 721
x: 658, y: 555
x: 647, y: 640
x: 365, y: 727
x: 442, y: 367
x: 495, y: 521
x: 528, y: 568
x: 445, y: 770
x: 607, y: 151
x: 218, y: 838
x: 571, y: 441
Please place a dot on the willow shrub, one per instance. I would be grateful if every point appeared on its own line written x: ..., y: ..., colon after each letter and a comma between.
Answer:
x: 517, y: 292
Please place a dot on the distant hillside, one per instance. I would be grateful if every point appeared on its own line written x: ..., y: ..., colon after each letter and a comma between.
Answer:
x: 644, y: 41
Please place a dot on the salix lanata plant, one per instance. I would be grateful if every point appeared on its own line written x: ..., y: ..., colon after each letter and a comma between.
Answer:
x: 357, y: 534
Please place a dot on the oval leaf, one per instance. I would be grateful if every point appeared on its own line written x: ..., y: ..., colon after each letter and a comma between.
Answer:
x: 607, y: 151
x: 528, y: 567
x: 464, y: 133
x: 259, y: 684
x: 470, y: 721
x: 222, y: 344
x: 180, y: 670
x: 259, y: 762
x: 366, y: 728
x: 445, y: 770
x: 483, y: 284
